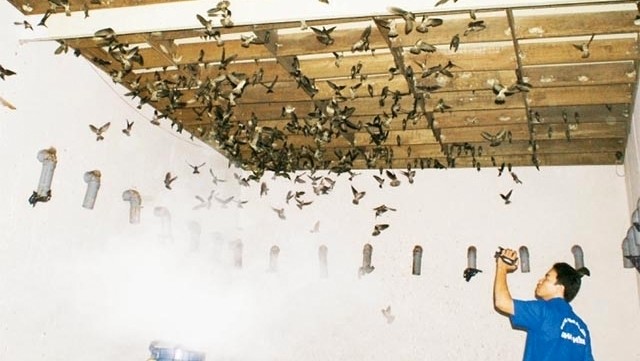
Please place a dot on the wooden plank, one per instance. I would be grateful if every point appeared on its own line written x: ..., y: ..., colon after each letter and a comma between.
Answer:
x: 574, y: 24
x: 497, y: 29
x: 581, y: 74
x: 563, y: 52
x: 474, y: 134
x: 189, y: 53
x: 306, y: 42
x: 581, y: 131
x: 473, y: 100
x: 585, y: 113
x: 479, y: 118
x: 325, y: 67
x: 493, y: 56
x: 576, y: 95
x: 40, y: 7
x: 468, y: 80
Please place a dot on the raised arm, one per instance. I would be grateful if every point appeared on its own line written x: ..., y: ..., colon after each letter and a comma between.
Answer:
x: 502, y: 300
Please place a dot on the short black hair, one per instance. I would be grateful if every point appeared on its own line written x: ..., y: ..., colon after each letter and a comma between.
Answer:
x: 568, y: 277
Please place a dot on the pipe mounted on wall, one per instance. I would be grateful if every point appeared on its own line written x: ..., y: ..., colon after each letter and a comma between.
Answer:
x: 133, y: 197
x: 92, y: 178
x: 49, y: 160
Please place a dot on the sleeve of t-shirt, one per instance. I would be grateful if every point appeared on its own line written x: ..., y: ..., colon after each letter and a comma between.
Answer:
x: 527, y: 315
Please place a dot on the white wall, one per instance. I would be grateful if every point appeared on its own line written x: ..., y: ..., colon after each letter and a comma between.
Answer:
x: 78, y: 283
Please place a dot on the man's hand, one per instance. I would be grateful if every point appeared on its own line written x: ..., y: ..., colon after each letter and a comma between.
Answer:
x: 506, y: 259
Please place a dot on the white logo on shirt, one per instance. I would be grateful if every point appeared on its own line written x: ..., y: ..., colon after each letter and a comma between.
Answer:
x: 573, y: 338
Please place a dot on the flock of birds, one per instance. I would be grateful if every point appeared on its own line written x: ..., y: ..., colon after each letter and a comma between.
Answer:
x: 268, y: 147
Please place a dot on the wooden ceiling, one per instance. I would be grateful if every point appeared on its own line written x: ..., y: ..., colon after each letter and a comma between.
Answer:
x: 384, y: 106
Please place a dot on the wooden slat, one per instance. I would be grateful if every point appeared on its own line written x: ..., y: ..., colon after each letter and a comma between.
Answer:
x: 573, y: 24
x: 599, y: 94
x: 581, y: 74
x: 607, y: 113
x: 563, y: 52
x: 497, y: 29
x: 479, y: 118
x: 474, y: 100
x: 40, y: 7
x: 493, y: 56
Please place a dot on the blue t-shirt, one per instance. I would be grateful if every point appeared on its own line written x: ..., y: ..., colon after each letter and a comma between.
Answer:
x: 554, y: 331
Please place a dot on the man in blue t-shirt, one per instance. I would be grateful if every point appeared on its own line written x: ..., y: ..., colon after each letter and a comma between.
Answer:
x: 554, y: 331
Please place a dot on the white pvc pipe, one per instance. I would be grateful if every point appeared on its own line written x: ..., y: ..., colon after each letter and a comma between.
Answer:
x: 165, y: 221
x: 133, y: 197
x: 322, y: 255
x: 634, y: 246
x: 195, y: 231
x: 578, y: 256
x: 49, y: 160
x: 626, y: 253
x: 92, y: 178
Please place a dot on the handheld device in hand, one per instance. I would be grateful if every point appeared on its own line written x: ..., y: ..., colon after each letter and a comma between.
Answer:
x: 505, y: 259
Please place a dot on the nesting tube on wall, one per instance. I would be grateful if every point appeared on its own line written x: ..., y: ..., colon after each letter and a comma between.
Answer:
x: 133, y: 197
x: 633, y: 246
x: 49, y: 160
x: 471, y: 269
x: 417, y: 261
x: 195, y: 232
x: 578, y: 258
x: 634, y: 242
x: 322, y: 256
x: 237, y: 253
x: 367, y: 251
x: 273, y: 258
x: 92, y: 178
x: 165, y: 222
x: 635, y: 219
x: 626, y: 253
x: 523, y: 253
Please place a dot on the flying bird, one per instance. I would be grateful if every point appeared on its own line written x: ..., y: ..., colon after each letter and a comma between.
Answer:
x: 378, y: 228
x: 127, y: 130
x: 408, y: 16
x: 196, y: 168
x: 426, y: 23
x: 214, y: 178
x: 394, y: 181
x: 506, y: 197
x: 410, y: 174
x: 24, y: 23
x: 584, y: 47
x: 495, y: 139
x: 455, y: 43
x: 386, y: 312
x: 168, y: 179
x: 224, y: 201
x: 204, y: 203
x: 324, y: 35
x: 357, y: 196
x: 380, y: 180
x: 382, y: 209
x: 99, y: 131
x: 264, y: 189
x: 5, y: 72
x: 280, y: 212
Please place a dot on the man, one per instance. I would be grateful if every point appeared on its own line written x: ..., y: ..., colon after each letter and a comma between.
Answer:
x: 554, y: 331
